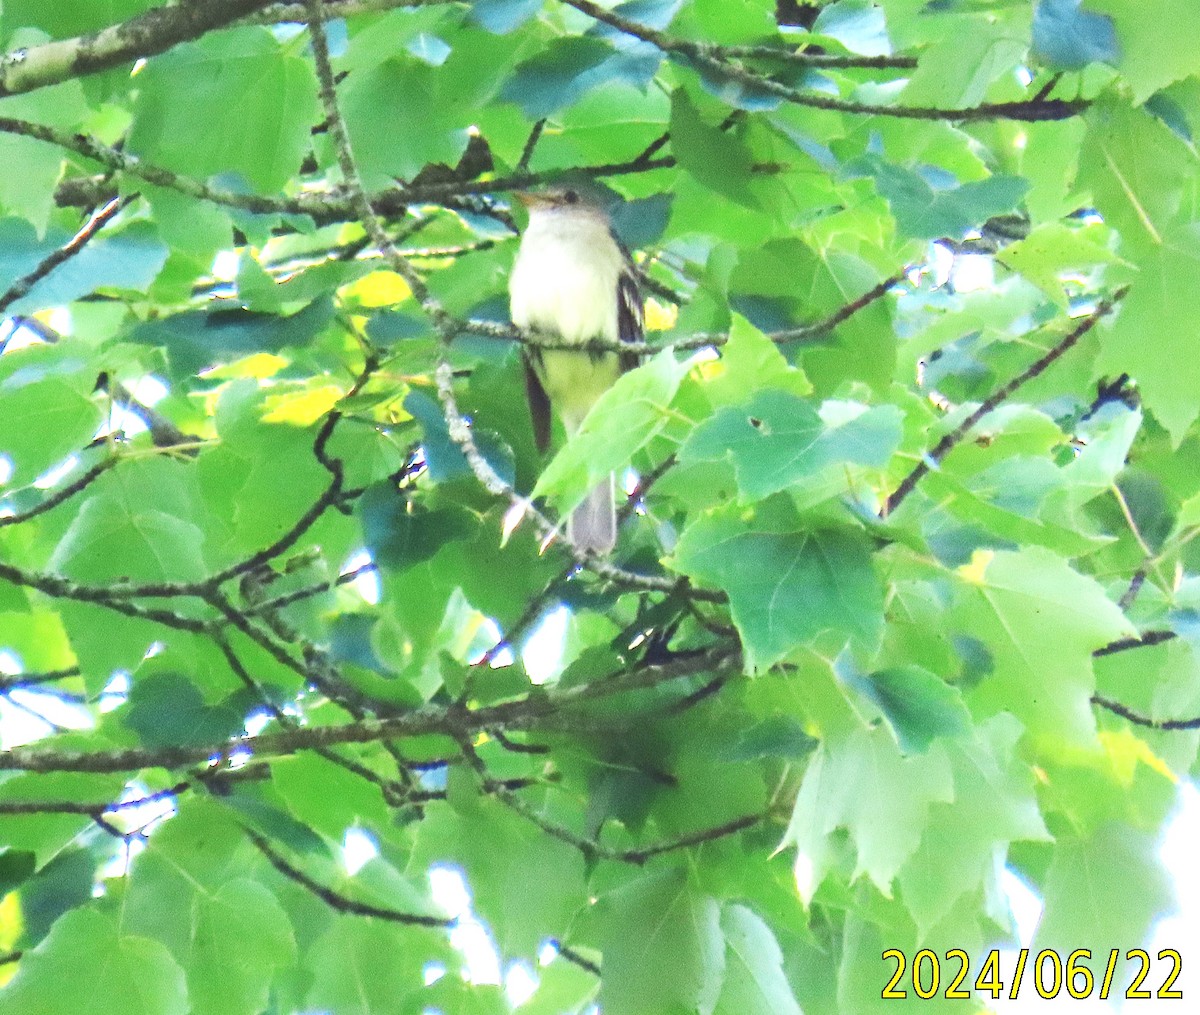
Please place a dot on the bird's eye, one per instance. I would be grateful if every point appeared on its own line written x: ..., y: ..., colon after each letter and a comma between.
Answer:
x: 571, y: 197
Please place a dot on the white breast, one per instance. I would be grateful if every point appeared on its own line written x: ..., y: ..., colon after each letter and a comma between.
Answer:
x: 564, y: 281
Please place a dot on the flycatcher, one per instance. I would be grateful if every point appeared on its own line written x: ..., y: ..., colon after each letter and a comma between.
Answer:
x: 573, y: 280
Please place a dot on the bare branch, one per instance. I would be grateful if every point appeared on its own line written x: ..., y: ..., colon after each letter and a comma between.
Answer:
x: 92, y: 809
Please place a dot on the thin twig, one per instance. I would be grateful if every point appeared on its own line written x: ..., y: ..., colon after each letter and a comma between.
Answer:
x: 92, y: 809
x: 18, y: 680
x: 712, y: 58
x: 1141, y: 641
x: 699, y: 340
x: 76, y: 486
x: 336, y: 900
x: 68, y: 250
x: 1140, y: 720
x: 535, y: 135
x: 572, y: 956
x: 956, y: 436
x: 1135, y: 586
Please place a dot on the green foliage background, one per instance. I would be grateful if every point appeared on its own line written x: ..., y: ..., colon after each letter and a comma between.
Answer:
x: 906, y: 592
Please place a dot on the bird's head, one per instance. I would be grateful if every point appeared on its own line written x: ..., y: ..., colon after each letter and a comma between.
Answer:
x: 553, y: 198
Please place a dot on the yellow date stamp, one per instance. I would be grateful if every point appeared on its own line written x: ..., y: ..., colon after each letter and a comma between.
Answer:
x: 1080, y: 974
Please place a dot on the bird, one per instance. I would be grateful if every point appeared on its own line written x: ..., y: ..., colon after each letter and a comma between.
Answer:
x: 573, y: 280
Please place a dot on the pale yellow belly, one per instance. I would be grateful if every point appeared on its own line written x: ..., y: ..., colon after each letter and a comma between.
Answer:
x: 575, y: 380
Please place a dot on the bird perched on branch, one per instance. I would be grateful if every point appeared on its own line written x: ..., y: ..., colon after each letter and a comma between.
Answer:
x: 573, y: 280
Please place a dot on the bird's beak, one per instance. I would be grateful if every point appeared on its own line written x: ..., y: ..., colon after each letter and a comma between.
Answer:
x: 529, y: 199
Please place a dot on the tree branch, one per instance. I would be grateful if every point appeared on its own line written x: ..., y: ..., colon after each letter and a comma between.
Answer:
x: 61, y: 496
x: 85, y: 809
x: 155, y: 31
x: 955, y: 437
x: 532, y: 712
x: 278, y: 13
x: 71, y: 248
x: 1140, y: 720
x: 697, y: 340
x: 336, y: 900
x: 1143, y: 641
x: 713, y: 58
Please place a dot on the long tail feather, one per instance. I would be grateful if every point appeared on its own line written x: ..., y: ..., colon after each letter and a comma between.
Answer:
x: 593, y: 525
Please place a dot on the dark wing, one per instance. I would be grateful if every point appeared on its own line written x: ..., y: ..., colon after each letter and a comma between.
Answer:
x: 630, y: 315
x: 539, y: 403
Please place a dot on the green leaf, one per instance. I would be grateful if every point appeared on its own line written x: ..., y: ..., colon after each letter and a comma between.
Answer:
x: 565, y: 70
x: 47, y: 412
x: 957, y: 70
x: 924, y: 212
x: 87, y: 966
x: 327, y: 797
x: 231, y: 102
x: 785, y: 586
x: 1166, y: 372
x: 444, y: 458
x: 750, y: 361
x: 527, y: 886
x: 126, y: 260
x: 862, y: 783
x: 1040, y: 621
x: 502, y: 16
x: 1051, y: 251
x: 777, y: 737
x: 623, y: 420
x: 197, y: 339
x: 16, y: 867
x: 167, y: 708
x: 716, y: 158
x: 400, y: 534
x: 920, y: 706
x: 367, y: 967
x: 732, y: 20
x: 1109, y: 882
x: 776, y: 440
x: 391, y: 112
x: 30, y: 192
x: 1154, y: 51
x: 122, y: 535
x: 860, y: 27
x: 71, y: 17
x: 64, y: 883
x: 563, y: 987
x: 663, y: 947
x: 241, y: 937
x: 1136, y: 169
x: 48, y: 835
x: 994, y: 805
x: 755, y: 983
x: 1067, y: 37
x: 196, y: 228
